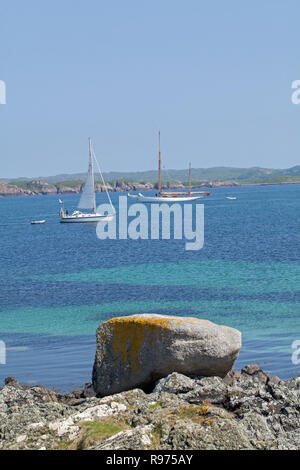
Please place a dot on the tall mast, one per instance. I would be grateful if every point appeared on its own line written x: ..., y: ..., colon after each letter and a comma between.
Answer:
x: 91, y: 170
x: 159, y: 165
x: 190, y: 180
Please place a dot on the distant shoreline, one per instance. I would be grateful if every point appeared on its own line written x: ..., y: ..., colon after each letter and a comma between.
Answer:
x: 9, y: 190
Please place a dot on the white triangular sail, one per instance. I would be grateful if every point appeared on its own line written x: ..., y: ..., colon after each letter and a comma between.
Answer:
x: 88, y: 200
x: 104, y: 184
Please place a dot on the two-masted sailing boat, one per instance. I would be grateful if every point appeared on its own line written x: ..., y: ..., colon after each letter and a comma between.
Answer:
x: 88, y: 199
x: 170, y: 196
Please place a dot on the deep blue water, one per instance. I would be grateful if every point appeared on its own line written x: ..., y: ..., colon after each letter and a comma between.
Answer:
x: 58, y: 282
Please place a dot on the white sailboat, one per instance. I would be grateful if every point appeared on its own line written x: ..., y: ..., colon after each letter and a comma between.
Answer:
x: 88, y: 199
x: 169, y: 196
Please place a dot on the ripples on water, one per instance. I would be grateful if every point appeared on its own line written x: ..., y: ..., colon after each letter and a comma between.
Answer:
x: 58, y: 282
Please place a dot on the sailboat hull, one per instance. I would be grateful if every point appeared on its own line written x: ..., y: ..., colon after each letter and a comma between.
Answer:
x: 151, y: 199
x: 86, y: 218
x: 87, y: 200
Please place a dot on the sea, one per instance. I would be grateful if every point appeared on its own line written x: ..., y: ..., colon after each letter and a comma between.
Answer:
x: 59, y: 282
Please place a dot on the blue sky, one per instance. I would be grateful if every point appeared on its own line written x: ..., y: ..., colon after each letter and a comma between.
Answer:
x: 214, y: 76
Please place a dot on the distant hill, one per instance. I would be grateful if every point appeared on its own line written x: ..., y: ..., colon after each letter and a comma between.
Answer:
x: 198, y: 174
x: 140, y: 181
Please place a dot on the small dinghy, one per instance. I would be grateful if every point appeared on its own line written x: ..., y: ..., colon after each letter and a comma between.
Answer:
x: 231, y: 198
x: 34, y: 222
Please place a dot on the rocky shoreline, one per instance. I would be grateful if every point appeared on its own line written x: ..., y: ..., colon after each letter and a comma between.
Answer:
x: 137, y: 401
x: 41, y: 188
x: 245, y: 410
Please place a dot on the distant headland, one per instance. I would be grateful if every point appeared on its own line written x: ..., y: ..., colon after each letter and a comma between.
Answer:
x: 146, y: 180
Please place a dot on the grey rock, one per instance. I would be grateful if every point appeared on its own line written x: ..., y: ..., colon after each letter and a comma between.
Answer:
x: 88, y: 391
x: 11, y: 381
x: 251, y: 369
x: 294, y: 385
x: 255, y: 372
x: 217, y: 435
x: 208, y: 389
x: 197, y: 390
x: 138, y: 350
x: 139, y: 438
x: 232, y: 377
x: 175, y: 383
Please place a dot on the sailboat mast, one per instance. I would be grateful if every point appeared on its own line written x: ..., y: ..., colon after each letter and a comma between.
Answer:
x: 190, y: 180
x: 91, y: 170
x: 159, y: 165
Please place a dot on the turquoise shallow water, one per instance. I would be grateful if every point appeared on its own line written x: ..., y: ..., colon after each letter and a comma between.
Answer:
x: 58, y: 282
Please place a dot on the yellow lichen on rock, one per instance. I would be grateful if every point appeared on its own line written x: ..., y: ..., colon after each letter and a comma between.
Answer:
x: 136, y: 350
x: 129, y: 334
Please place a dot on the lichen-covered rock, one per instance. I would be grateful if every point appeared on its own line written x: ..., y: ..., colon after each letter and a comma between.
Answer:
x: 136, y: 351
x: 133, y: 439
x: 197, y: 390
x: 254, y: 411
x: 209, y: 389
x: 175, y: 383
x: 214, y: 434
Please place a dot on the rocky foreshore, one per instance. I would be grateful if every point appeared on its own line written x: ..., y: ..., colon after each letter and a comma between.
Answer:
x: 160, y: 382
x: 247, y: 410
